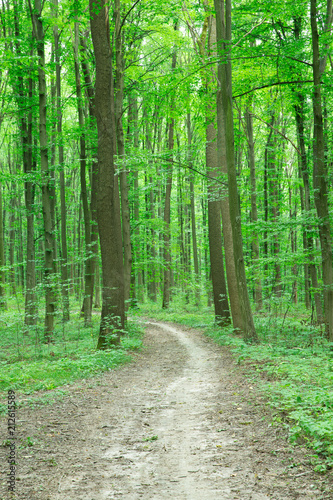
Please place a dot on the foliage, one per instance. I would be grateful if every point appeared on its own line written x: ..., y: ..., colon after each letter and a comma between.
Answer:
x: 292, y: 365
x: 28, y: 365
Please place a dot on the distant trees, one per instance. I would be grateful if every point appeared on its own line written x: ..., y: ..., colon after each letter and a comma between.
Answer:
x: 129, y: 150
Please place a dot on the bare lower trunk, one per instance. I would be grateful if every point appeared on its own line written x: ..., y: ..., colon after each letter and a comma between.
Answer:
x: 222, y: 314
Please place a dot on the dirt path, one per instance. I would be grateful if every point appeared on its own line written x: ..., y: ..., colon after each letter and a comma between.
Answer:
x: 175, y: 424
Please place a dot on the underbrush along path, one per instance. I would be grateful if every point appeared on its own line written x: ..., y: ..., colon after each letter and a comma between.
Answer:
x: 176, y: 424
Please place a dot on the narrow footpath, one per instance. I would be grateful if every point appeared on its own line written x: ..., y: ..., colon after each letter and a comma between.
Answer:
x: 178, y: 423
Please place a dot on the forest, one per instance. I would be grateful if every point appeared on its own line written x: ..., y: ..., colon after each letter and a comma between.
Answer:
x: 172, y: 159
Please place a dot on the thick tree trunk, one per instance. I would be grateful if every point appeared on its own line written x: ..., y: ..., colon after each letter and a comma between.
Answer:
x: 224, y: 34
x: 225, y: 211
x: 108, y: 202
x: 49, y: 278
x: 220, y: 295
x: 320, y: 181
x: 222, y: 313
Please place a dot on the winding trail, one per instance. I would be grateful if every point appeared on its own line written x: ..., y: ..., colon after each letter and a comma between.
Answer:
x: 171, y: 425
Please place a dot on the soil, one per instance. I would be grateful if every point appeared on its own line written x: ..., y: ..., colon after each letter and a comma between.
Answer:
x: 182, y: 421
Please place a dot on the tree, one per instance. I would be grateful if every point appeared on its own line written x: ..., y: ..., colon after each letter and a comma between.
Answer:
x: 320, y: 183
x: 49, y: 269
x: 223, y: 25
x: 108, y: 203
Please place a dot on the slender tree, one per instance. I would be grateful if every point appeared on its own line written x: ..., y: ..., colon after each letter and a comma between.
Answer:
x: 49, y: 270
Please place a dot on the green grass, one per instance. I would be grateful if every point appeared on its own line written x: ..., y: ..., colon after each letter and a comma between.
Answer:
x: 28, y: 365
x: 293, y: 365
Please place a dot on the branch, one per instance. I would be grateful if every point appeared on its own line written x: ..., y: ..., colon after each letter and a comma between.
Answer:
x: 261, y: 22
x: 194, y: 170
x: 278, y: 132
x: 127, y: 14
x: 272, y: 85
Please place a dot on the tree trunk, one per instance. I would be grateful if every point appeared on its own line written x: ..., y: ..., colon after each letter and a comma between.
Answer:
x: 221, y: 306
x: 273, y: 194
x: 94, y: 174
x: 193, y: 225
x: 224, y: 42
x: 320, y: 181
x: 3, y: 304
x: 63, y: 211
x: 125, y: 209
x: 167, y: 235
x: 87, y: 300
x: 108, y: 202
x: 308, y: 229
x: 254, y: 211
x: 137, y: 287
x: 49, y: 278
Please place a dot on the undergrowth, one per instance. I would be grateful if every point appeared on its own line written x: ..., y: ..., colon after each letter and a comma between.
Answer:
x: 293, y: 363
x: 28, y: 365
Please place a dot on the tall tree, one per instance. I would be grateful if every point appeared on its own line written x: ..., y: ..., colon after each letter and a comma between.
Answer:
x: 63, y: 222
x: 108, y: 202
x: 46, y: 181
x: 87, y: 300
x: 223, y: 25
x: 254, y: 211
x: 167, y: 203
x: 125, y: 210
x: 320, y: 178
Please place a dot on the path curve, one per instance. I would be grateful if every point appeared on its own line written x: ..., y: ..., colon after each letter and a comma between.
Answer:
x: 171, y: 425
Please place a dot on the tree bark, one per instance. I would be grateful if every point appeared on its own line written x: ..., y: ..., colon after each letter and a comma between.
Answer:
x: 87, y: 299
x: 26, y: 123
x: 224, y: 42
x: 320, y: 181
x: 254, y: 211
x: 221, y: 305
x: 125, y: 209
x: 94, y: 173
x: 192, y: 207
x: 63, y: 211
x: 167, y: 203
x: 49, y: 277
x: 108, y: 202
x: 3, y: 304
x: 308, y: 229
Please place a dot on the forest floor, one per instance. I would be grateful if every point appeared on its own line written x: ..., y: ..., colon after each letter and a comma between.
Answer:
x: 182, y: 421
